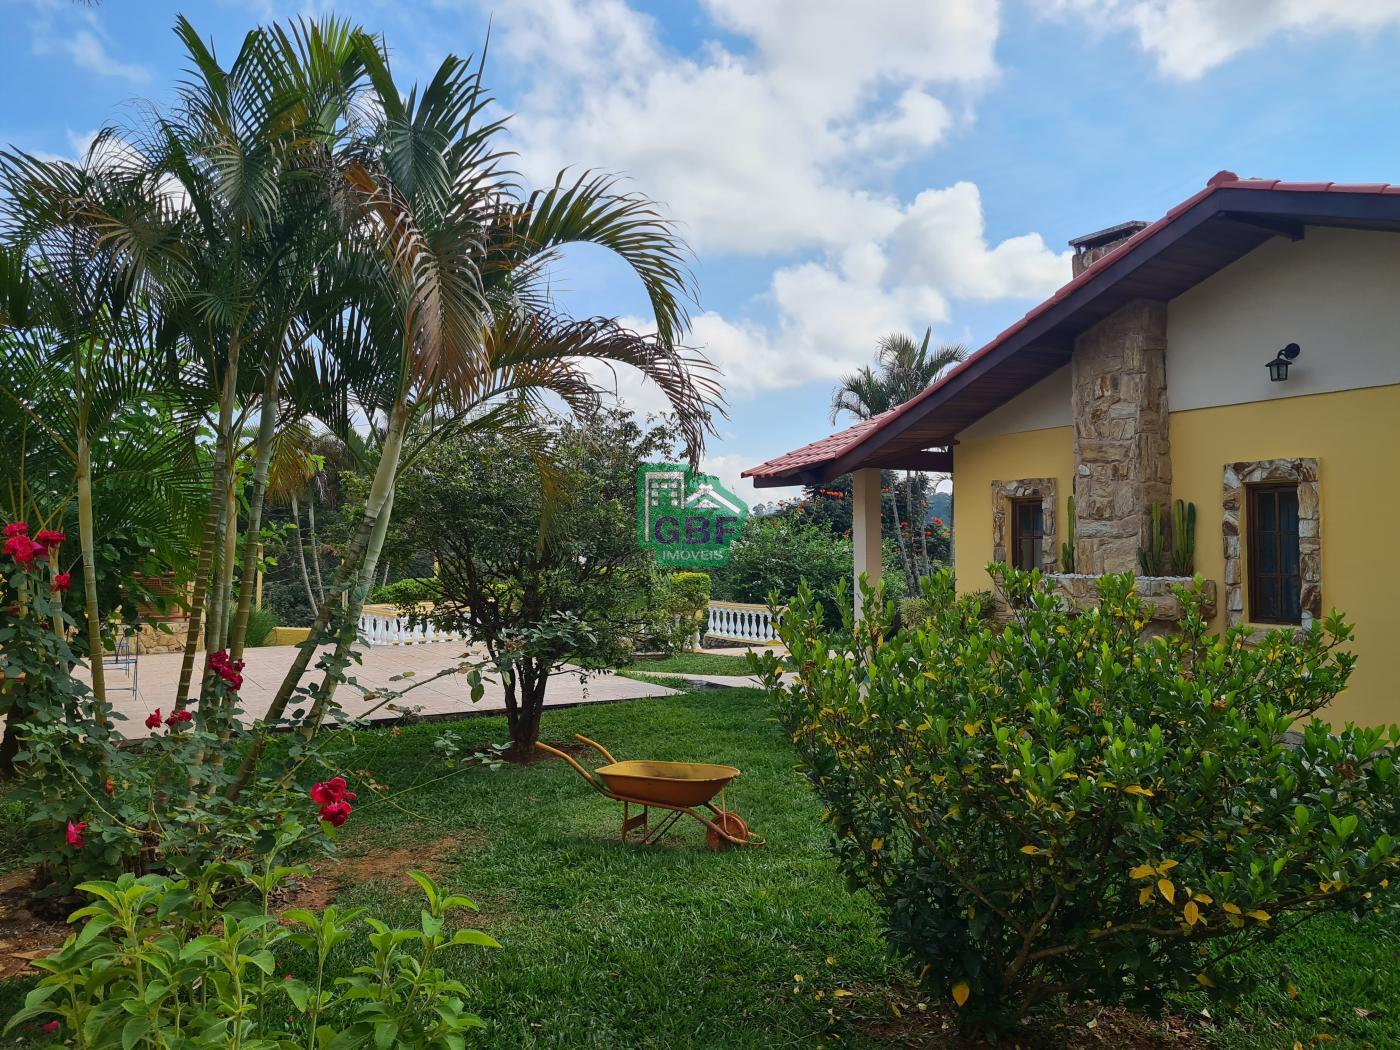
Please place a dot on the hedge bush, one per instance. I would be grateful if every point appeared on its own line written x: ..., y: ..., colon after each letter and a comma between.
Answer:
x: 1061, y: 807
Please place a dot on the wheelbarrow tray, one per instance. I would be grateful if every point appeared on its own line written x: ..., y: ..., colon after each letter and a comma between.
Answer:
x: 667, y: 783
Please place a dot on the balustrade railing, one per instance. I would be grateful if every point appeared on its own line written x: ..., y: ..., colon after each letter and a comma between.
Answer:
x: 740, y: 622
x: 386, y: 626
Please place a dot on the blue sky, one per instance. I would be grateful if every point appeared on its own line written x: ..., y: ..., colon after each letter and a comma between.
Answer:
x: 841, y: 169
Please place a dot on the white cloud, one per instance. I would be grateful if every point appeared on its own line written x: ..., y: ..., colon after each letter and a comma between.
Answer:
x: 59, y: 27
x: 762, y: 148
x: 774, y: 145
x: 90, y: 53
x: 1190, y: 37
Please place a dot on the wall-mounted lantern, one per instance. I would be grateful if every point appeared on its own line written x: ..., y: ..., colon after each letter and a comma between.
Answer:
x: 1278, y: 364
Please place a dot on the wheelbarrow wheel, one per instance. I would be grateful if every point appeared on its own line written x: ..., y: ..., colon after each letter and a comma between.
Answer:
x: 731, y: 824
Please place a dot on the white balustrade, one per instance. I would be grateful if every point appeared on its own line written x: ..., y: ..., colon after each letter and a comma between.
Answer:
x: 740, y: 622
x: 379, y: 628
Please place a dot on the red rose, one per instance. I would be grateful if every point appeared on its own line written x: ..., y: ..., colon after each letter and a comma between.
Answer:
x: 74, y: 834
x: 61, y: 581
x: 50, y: 537
x: 336, y: 814
x: 17, y: 528
x: 178, y: 718
x: 331, y: 791
x: 23, y: 549
x: 51, y: 1027
x: 153, y: 719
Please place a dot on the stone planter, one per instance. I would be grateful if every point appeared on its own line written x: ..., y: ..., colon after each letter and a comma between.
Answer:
x: 1082, y: 592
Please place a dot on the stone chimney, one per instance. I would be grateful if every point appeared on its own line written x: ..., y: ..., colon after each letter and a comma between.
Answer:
x: 1092, y: 247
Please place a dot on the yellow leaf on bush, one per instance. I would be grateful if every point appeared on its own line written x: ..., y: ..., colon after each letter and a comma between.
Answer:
x: 1192, y: 913
x: 1204, y: 981
x: 1142, y: 871
x: 970, y: 728
x: 1145, y: 895
x: 1133, y: 789
x: 1030, y: 850
x: 1166, y: 865
x: 1233, y: 909
x: 1167, y: 890
x: 876, y: 844
x: 961, y: 992
x: 1258, y: 916
x: 840, y: 993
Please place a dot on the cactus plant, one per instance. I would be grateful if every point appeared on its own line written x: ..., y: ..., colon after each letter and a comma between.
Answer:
x: 1152, y: 559
x: 1183, y: 538
x: 1067, y: 548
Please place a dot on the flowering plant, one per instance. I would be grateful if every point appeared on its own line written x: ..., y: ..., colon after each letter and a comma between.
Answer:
x: 97, y: 807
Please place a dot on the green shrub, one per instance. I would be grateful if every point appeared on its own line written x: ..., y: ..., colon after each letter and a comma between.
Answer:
x: 914, y: 612
x: 161, y: 962
x: 1061, y: 807
x: 260, y: 624
x: 405, y: 593
x: 681, y: 602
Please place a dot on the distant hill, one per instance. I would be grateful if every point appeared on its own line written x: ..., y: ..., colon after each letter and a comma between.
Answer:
x: 940, y: 505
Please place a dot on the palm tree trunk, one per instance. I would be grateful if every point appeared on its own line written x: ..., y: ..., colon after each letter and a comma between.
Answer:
x: 262, y: 460
x: 385, y: 476
x: 89, y: 548
x: 331, y: 679
x: 301, y: 553
x: 315, y: 549
x: 203, y: 568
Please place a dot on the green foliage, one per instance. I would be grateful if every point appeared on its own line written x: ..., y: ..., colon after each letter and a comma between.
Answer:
x: 170, y: 962
x: 1067, y: 548
x: 680, y: 604
x: 778, y: 553
x: 405, y: 593
x: 915, y: 611
x: 260, y: 624
x: 1062, y: 807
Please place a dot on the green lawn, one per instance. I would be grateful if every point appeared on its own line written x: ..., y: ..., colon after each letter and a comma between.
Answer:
x: 607, y: 945
x: 694, y: 663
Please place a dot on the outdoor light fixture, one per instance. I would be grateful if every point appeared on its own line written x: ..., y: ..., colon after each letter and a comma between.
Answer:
x: 1278, y: 364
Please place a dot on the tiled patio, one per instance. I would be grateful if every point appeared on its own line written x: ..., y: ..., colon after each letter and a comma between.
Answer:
x: 159, y: 674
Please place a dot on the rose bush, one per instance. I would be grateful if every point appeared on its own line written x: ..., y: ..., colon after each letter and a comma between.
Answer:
x: 1061, y: 807
x: 97, y: 808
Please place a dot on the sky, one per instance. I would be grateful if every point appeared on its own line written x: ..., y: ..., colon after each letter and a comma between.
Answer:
x: 841, y: 169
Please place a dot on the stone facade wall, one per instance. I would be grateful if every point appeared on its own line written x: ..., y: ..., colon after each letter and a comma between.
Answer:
x: 1122, y: 447
x: 1236, y: 477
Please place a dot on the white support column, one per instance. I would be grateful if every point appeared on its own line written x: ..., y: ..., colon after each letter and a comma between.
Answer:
x: 865, y: 528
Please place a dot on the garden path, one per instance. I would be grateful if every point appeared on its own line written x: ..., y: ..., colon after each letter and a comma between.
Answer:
x: 444, y: 697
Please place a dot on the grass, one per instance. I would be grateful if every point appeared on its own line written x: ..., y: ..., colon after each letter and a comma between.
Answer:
x: 694, y: 663
x: 606, y: 945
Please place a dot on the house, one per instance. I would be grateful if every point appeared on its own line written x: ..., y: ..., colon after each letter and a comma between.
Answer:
x: 1241, y: 354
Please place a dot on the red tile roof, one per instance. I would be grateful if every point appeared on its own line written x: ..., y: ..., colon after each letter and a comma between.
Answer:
x: 839, y: 444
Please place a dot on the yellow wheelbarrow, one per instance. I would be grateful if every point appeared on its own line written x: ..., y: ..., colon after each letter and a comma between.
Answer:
x: 680, y: 788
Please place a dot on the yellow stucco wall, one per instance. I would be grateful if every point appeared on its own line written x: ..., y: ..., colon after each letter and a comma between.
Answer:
x: 1355, y: 437
x: 977, y: 462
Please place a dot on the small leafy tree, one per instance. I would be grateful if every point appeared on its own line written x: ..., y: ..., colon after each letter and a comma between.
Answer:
x: 541, y: 574
x: 1061, y: 807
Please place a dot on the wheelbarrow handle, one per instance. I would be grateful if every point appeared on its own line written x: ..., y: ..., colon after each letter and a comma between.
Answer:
x: 594, y: 781
x: 596, y: 746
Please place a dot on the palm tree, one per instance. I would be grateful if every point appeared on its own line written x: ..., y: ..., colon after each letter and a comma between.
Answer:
x: 903, y: 369
x: 451, y: 320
